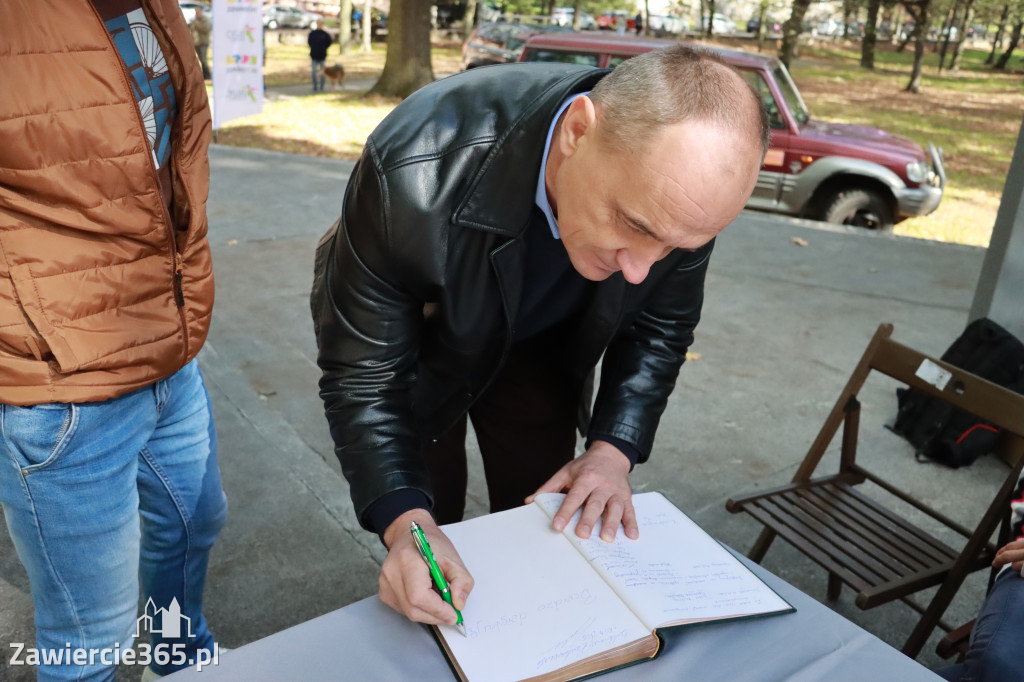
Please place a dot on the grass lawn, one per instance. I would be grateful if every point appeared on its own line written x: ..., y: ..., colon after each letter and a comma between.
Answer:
x: 974, y: 115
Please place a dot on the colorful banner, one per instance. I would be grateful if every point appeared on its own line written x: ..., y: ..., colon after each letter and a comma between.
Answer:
x: 237, y: 59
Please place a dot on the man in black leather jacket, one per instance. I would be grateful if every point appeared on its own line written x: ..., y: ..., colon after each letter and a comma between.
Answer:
x: 504, y: 229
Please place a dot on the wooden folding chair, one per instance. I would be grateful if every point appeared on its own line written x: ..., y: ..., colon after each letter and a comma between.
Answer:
x: 860, y: 542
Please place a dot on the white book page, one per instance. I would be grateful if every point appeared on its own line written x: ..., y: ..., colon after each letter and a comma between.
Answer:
x: 536, y: 605
x: 675, y: 573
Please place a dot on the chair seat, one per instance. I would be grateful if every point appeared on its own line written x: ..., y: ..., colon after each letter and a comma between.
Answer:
x: 876, y: 552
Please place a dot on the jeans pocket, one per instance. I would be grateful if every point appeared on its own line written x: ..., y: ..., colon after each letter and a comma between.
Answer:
x: 37, y: 435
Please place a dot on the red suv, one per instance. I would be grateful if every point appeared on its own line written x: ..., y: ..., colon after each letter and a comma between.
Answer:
x: 836, y: 172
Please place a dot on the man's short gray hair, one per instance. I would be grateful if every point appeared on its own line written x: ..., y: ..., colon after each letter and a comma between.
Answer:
x: 675, y: 84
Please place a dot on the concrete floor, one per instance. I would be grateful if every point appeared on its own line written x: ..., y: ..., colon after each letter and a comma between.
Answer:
x: 783, y: 326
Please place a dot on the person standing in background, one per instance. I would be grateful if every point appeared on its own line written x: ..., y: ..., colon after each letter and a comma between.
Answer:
x: 319, y: 40
x: 201, y: 27
x: 108, y: 455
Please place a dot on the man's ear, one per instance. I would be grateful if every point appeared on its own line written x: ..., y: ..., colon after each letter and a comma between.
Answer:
x: 579, y: 120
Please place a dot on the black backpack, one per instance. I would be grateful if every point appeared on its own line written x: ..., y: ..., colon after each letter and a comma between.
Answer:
x: 943, y: 433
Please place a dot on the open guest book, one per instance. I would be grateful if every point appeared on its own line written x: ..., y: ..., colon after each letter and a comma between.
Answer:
x: 550, y: 606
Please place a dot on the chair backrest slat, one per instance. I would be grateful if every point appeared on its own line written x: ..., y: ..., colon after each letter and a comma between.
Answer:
x: 963, y: 390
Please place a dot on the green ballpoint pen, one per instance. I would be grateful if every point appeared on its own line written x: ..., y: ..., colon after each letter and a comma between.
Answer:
x: 435, y: 572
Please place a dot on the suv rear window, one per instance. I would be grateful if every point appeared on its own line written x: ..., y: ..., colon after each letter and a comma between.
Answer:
x: 535, y: 55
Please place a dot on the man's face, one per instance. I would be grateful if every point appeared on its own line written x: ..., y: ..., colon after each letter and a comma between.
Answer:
x: 625, y: 209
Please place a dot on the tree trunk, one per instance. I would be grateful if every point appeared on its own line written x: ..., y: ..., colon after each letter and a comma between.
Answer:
x: 1014, y: 39
x: 849, y: 7
x: 944, y: 35
x: 367, y: 30
x: 709, y: 29
x: 867, y: 45
x: 469, y: 19
x: 791, y: 31
x: 407, y: 66
x: 958, y: 47
x: 762, y: 17
x: 998, y: 40
x: 914, y: 85
x: 917, y: 27
x: 577, y: 14
x: 345, y: 27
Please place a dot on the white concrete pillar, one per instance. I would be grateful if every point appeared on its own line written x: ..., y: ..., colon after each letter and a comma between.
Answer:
x: 1000, y: 291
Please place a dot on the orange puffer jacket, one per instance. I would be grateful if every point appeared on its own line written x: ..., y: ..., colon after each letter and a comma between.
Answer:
x: 102, y: 291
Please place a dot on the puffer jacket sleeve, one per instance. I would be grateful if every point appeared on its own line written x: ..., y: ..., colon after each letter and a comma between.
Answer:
x: 641, y: 364
x: 367, y: 326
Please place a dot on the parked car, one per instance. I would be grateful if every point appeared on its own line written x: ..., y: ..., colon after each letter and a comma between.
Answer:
x: 499, y: 42
x: 563, y: 16
x: 836, y: 172
x: 609, y: 21
x: 720, y: 24
x: 282, y: 16
x: 663, y: 25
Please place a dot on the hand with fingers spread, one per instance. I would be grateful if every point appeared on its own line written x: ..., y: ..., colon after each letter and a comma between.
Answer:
x: 598, y: 482
x: 405, y: 582
x: 1011, y: 553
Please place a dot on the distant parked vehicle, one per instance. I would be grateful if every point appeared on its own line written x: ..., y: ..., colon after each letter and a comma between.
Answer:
x: 720, y: 24
x: 609, y: 21
x: 499, y: 42
x: 282, y: 16
x: 662, y: 25
x: 836, y: 172
x: 563, y: 16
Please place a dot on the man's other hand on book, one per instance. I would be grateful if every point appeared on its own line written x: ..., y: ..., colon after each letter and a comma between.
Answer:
x: 405, y: 583
x: 597, y: 481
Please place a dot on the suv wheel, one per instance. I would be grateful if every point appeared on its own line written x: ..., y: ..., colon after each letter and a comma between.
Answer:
x: 859, y: 207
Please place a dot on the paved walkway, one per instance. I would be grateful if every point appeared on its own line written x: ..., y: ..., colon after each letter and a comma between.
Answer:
x: 790, y: 305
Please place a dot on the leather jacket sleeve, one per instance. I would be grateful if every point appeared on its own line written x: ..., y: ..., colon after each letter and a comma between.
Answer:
x: 367, y: 324
x: 641, y: 365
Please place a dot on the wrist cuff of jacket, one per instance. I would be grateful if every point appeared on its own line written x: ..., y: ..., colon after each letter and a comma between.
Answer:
x: 628, y: 449
x: 384, y: 511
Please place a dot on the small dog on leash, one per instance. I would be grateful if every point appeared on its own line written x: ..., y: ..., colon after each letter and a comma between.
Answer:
x: 336, y: 75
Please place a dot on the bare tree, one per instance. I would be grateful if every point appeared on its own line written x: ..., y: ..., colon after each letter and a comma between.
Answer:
x: 469, y: 18
x: 791, y: 31
x: 947, y: 32
x: 1014, y: 40
x: 867, y: 45
x: 762, y: 18
x: 849, y: 11
x: 997, y: 42
x: 958, y: 47
x: 345, y: 26
x: 918, y: 9
x: 407, y: 66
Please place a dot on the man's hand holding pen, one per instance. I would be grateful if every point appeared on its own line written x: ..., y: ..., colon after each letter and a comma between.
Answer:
x: 405, y: 581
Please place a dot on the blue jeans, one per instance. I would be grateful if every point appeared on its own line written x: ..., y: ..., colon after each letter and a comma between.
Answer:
x: 101, y: 496
x: 997, y: 636
x: 319, y: 79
